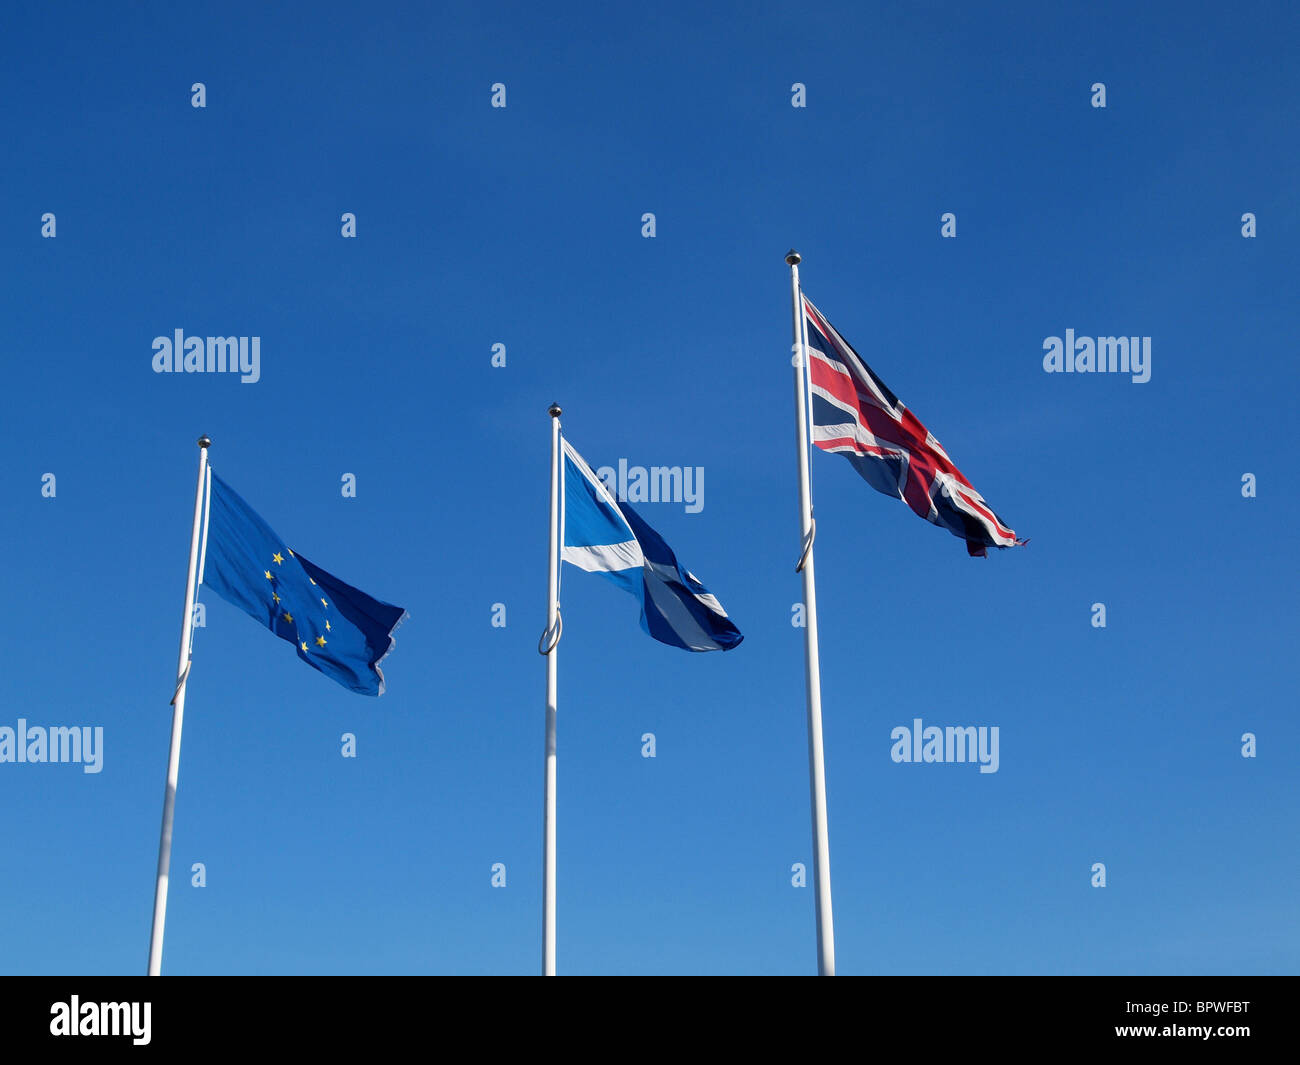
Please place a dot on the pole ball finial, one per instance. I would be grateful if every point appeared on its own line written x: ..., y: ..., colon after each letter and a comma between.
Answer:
x: 793, y: 257
x: 205, y: 440
x: 555, y: 411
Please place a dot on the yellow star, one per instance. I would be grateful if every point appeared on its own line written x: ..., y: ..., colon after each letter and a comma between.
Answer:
x: 288, y: 617
x: 313, y: 582
x: 268, y: 576
x: 304, y: 645
x: 323, y: 603
x: 275, y: 597
x: 320, y: 641
x: 327, y: 626
x: 290, y: 552
x: 278, y: 559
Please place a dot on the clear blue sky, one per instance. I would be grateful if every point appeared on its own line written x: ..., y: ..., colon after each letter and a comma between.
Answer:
x: 522, y: 226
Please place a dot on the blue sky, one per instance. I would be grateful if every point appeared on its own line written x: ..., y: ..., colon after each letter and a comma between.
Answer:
x: 522, y: 226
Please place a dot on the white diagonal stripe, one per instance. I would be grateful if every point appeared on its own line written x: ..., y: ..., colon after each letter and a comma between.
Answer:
x: 605, y: 558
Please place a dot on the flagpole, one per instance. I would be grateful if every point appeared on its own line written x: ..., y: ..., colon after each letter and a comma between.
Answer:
x: 812, y: 664
x: 550, y: 643
x: 178, y: 715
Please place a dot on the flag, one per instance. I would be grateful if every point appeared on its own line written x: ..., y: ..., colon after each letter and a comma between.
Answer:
x: 857, y: 416
x: 602, y: 535
x: 333, y: 627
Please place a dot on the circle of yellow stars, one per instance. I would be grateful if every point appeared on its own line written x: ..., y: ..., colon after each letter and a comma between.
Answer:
x: 278, y: 559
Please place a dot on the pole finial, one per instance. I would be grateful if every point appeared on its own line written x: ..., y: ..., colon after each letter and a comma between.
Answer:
x: 793, y: 257
x: 555, y: 411
x: 205, y: 441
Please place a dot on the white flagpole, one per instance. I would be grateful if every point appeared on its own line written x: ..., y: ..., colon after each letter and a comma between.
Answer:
x: 812, y: 664
x: 178, y: 715
x: 548, y: 647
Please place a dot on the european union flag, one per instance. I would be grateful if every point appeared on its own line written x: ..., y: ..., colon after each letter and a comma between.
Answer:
x: 333, y: 627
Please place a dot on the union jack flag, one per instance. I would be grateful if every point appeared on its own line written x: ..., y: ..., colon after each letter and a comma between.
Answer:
x: 857, y: 416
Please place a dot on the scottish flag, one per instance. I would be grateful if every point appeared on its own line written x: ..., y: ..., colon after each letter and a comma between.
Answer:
x: 333, y: 627
x: 601, y: 535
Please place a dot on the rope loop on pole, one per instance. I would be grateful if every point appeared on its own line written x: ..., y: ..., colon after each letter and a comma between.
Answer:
x: 180, y: 681
x: 807, y: 546
x: 555, y: 639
